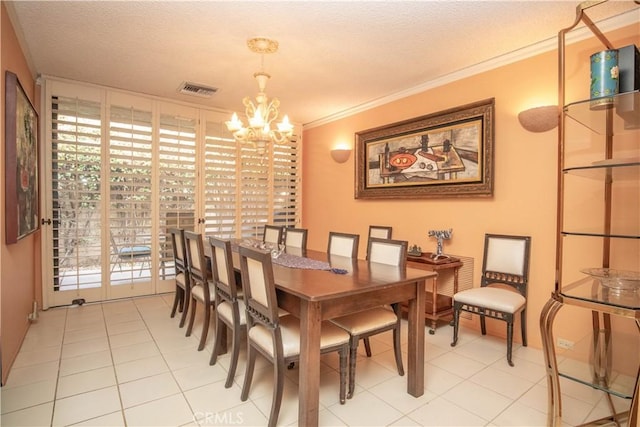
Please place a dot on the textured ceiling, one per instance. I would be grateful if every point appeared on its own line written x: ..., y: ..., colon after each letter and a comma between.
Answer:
x: 333, y: 57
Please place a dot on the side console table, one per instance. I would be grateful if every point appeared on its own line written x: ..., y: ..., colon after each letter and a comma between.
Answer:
x: 441, y: 305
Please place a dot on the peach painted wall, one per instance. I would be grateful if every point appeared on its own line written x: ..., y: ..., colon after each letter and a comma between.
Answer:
x: 524, y: 199
x: 19, y: 263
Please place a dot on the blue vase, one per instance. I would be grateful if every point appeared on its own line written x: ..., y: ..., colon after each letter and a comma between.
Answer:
x: 604, y: 78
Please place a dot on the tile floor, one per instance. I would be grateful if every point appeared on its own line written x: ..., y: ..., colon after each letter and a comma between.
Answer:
x: 127, y: 363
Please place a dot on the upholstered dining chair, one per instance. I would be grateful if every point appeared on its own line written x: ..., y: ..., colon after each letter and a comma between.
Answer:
x: 503, y: 287
x: 272, y: 234
x: 183, y: 284
x: 380, y: 232
x: 296, y: 238
x: 229, y: 305
x: 343, y: 244
x: 364, y: 324
x: 277, y: 338
x: 202, y: 288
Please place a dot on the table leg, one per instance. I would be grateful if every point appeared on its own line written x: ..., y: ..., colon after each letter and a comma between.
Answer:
x: 415, y: 369
x: 309, y: 387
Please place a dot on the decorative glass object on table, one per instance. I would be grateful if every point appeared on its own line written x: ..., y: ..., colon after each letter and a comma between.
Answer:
x: 275, y: 253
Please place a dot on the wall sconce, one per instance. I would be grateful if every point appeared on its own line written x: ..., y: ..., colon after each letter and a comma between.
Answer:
x: 340, y: 155
x: 539, y: 119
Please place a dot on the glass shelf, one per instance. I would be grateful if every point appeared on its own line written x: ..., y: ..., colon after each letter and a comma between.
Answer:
x: 591, y: 290
x: 626, y: 117
x: 575, y: 364
x: 599, y: 234
x: 620, y: 170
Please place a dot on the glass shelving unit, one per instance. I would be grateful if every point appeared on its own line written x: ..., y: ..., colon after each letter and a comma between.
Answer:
x: 598, y: 227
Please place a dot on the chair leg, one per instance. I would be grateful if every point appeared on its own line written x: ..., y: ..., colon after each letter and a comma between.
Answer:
x: 353, y: 354
x: 216, y: 341
x: 509, y: 341
x: 185, y: 307
x: 523, y: 324
x: 456, y: 320
x: 192, y: 317
x: 235, y: 351
x: 343, y: 374
x: 248, y: 375
x: 367, y: 346
x: 278, y: 386
x: 177, y: 301
x: 483, y: 325
x: 398, y: 349
x: 205, y: 326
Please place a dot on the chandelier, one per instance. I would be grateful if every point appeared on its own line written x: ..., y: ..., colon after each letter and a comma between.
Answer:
x: 262, y: 113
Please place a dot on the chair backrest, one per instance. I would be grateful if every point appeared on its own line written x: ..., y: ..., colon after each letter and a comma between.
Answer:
x: 272, y: 234
x: 506, y: 261
x: 296, y: 238
x: 222, y: 271
x: 258, y: 286
x: 343, y: 244
x: 196, y: 263
x: 179, y: 250
x: 380, y: 232
x: 387, y: 251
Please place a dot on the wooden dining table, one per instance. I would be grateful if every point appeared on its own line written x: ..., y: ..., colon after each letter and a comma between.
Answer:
x: 315, y: 295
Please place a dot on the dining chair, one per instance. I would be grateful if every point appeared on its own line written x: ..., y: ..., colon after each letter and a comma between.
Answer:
x: 272, y: 234
x: 129, y: 253
x: 229, y: 305
x: 202, y: 288
x: 364, y: 324
x: 183, y: 285
x: 296, y: 238
x: 343, y: 244
x: 380, y: 232
x: 278, y: 338
x: 503, y: 287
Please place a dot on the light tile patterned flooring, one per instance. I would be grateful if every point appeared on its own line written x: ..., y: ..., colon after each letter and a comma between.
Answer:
x: 127, y: 363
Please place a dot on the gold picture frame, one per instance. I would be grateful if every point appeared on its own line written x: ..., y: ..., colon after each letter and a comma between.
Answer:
x: 445, y: 154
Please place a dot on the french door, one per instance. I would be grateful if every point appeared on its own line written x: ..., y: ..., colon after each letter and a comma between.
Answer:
x: 121, y: 170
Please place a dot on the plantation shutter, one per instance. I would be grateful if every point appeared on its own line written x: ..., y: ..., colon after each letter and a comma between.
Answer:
x: 220, y: 181
x: 130, y: 204
x: 75, y: 193
x: 177, y: 181
x: 286, y: 184
x: 255, y: 192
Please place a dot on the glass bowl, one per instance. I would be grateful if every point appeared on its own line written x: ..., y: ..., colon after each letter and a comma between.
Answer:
x: 621, y: 280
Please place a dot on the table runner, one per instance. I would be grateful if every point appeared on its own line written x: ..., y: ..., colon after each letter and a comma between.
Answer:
x: 294, y: 261
x: 288, y: 260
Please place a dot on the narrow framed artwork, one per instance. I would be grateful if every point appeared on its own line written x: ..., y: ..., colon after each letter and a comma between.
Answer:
x: 21, y: 162
x: 445, y: 154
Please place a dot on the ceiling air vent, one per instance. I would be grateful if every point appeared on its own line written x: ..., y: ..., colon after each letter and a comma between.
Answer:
x: 195, y: 89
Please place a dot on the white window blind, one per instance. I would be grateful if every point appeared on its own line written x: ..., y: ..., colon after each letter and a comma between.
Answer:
x: 286, y: 184
x: 75, y: 184
x: 177, y: 181
x: 255, y: 192
x: 221, y: 181
x: 130, y: 205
